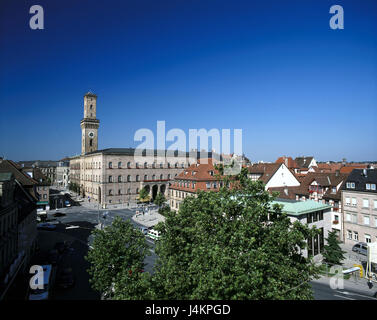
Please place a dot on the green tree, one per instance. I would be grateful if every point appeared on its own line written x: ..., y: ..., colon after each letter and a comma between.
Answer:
x: 333, y: 253
x: 159, y: 200
x: 144, y: 195
x: 116, y: 250
x: 232, y: 244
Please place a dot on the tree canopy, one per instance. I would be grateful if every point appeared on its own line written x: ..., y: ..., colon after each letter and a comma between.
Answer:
x: 332, y: 252
x: 230, y: 244
x: 118, y: 250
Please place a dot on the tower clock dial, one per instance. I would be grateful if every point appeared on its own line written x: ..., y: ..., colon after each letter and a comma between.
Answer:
x: 91, y: 134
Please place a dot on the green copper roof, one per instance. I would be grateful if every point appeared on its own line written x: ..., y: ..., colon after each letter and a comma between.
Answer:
x: 297, y: 208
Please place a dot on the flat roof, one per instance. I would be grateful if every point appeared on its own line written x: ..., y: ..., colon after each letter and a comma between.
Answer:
x: 297, y: 208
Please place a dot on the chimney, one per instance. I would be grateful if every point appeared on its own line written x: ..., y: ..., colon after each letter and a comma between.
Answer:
x: 286, y: 161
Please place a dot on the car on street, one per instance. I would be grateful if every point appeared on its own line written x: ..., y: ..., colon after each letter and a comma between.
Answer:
x: 65, y: 278
x: 67, y: 203
x: 361, y: 248
x: 53, y: 256
x: 144, y: 230
x: 46, y: 226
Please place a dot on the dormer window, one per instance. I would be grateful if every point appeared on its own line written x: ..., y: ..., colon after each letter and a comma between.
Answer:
x: 350, y: 185
x: 210, y: 173
x: 194, y: 173
x: 333, y: 189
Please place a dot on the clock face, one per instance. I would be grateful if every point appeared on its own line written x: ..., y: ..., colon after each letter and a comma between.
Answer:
x: 91, y: 134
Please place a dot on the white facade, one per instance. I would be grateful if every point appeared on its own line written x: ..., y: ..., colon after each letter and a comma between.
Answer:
x: 283, y: 177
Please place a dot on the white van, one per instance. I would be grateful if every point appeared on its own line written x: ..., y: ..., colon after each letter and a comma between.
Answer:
x: 153, y: 234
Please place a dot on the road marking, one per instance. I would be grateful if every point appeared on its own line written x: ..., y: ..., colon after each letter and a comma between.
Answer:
x: 72, y: 227
x: 355, y: 294
x: 336, y: 295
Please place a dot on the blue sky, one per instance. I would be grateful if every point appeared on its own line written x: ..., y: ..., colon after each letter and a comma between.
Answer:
x: 274, y: 69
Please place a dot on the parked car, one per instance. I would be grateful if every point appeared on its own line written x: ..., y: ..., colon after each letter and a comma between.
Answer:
x: 65, y: 278
x: 46, y: 226
x: 361, y: 248
x: 67, y: 203
x: 61, y: 246
x: 53, y: 256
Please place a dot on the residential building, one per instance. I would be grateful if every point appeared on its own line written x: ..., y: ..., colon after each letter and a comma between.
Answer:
x: 321, y: 187
x: 273, y: 175
x: 198, y: 176
x: 62, y: 173
x: 18, y: 230
x: 359, y: 201
x: 48, y: 168
x: 314, y: 214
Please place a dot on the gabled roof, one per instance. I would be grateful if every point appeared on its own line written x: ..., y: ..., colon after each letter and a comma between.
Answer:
x: 288, y: 161
x: 267, y: 170
x: 199, y: 172
x: 350, y: 167
x: 23, y: 178
x: 303, y: 162
x: 361, y: 177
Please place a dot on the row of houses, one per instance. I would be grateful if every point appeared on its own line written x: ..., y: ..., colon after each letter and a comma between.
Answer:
x: 345, y: 202
x: 20, y: 191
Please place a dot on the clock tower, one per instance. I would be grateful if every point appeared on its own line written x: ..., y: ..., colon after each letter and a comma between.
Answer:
x: 89, y: 124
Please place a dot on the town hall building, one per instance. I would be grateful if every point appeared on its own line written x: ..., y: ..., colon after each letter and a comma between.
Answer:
x: 115, y: 175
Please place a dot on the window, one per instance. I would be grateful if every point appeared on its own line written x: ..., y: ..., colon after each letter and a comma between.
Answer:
x: 348, y: 201
x: 355, y: 236
x: 354, y: 202
x: 145, y: 165
x: 110, y: 165
x: 176, y: 165
x: 137, y: 190
x: 168, y: 176
x: 208, y: 185
x: 119, y: 178
x: 375, y: 204
x: 333, y: 189
x: 367, y: 186
x: 368, y: 238
x: 137, y: 165
x: 354, y: 218
x: 373, y: 186
x: 365, y: 203
x: 145, y: 177
x: 137, y: 178
x: 110, y: 192
x: 154, y: 177
x: 348, y: 216
x: 119, y: 191
x: 128, y: 178
x: 129, y: 165
x: 366, y: 220
x: 350, y: 185
x: 161, y: 165
x: 349, y: 234
x: 110, y: 178
x: 128, y: 191
x: 119, y: 164
x: 161, y: 176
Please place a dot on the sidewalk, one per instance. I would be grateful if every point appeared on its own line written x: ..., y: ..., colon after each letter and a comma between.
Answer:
x: 149, y: 219
x: 355, y: 284
x: 351, y: 257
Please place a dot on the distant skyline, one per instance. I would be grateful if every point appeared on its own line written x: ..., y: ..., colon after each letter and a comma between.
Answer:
x: 272, y: 68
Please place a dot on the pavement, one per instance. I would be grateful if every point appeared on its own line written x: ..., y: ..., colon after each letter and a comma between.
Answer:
x: 353, y: 289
